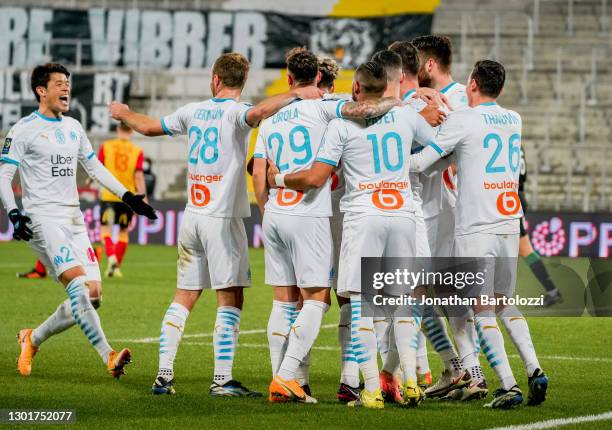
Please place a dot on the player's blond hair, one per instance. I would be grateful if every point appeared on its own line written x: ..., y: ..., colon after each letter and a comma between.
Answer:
x: 329, y: 70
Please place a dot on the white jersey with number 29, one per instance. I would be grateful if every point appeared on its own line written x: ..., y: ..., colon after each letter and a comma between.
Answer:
x: 486, y: 140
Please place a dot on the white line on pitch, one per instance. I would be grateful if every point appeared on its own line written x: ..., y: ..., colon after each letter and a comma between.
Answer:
x: 558, y: 422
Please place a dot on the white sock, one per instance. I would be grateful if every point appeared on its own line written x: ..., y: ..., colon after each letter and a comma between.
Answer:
x: 304, y: 332
x: 382, y: 327
x: 517, y: 328
x: 172, y: 329
x: 86, y: 316
x: 349, y: 371
x: 303, y: 371
x: 364, y: 345
x: 492, y: 343
x: 422, y: 362
x: 59, y: 321
x: 279, y: 325
x: 406, y: 330
x: 435, y: 329
x: 224, y: 342
x: 464, y: 332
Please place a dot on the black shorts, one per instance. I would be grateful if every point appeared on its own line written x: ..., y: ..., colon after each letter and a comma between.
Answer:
x: 523, y: 200
x: 115, y: 213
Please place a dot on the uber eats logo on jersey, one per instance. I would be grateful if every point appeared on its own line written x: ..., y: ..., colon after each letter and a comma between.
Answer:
x: 61, y: 165
x: 7, y: 146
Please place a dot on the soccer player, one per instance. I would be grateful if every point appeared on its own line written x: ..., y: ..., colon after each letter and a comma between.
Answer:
x: 46, y: 147
x: 486, y: 141
x: 212, y: 244
x: 532, y: 258
x: 378, y: 221
x: 124, y: 160
x: 296, y: 229
x: 37, y: 272
x: 439, y: 193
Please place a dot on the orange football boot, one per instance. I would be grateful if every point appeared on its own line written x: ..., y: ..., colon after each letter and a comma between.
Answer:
x: 28, y: 351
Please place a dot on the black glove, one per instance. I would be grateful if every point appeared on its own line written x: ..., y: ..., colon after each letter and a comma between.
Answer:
x: 22, y: 231
x: 136, y: 202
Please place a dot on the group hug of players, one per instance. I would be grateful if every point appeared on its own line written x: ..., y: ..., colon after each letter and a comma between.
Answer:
x: 395, y: 170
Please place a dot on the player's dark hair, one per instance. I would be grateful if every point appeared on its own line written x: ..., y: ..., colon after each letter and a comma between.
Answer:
x: 437, y: 47
x: 232, y: 68
x: 372, y: 78
x: 303, y: 65
x: 490, y: 77
x: 42, y: 74
x: 329, y: 71
x: 390, y: 61
x: 409, y: 55
x: 124, y: 127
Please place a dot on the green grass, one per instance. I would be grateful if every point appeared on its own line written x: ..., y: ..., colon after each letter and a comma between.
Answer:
x: 68, y: 373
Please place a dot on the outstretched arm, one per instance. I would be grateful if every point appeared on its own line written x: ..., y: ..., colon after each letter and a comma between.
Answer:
x: 271, y: 105
x: 369, y: 108
x: 142, y: 123
x: 315, y: 177
x: 259, y: 183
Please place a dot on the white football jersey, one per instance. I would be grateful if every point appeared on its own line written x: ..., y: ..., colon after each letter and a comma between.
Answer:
x: 218, y: 134
x: 290, y: 139
x: 439, y: 189
x: 47, y: 150
x: 415, y: 178
x: 375, y: 157
x: 486, y: 141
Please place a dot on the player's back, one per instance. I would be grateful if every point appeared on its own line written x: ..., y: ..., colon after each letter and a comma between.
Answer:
x: 217, y: 134
x: 291, y: 139
x: 122, y: 158
x: 488, y: 161
x: 376, y: 157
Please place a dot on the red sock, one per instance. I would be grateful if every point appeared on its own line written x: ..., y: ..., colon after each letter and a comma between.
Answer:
x: 40, y: 268
x: 109, y: 246
x: 121, y: 247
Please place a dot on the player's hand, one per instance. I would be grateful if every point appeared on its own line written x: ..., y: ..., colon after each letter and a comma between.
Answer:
x: 117, y: 110
x: 433, y: 115
x: 271, y: 173
x: 308, y: 93
x: 138, y: 205
x: 432, y: 97
x: 20, y: 223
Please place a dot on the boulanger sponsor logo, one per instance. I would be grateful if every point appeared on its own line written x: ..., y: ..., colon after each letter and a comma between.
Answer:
x: 62, y: 165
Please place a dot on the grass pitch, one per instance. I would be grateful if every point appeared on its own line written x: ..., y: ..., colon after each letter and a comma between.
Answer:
x: 68, y: 374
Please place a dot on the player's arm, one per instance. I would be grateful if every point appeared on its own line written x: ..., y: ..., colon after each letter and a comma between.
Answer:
x: 271, y: 105
x: 315, y: 177
x: 435, y: 147
x: 368, y: 108
x: 259, y: 171
x: 139, y: 176
x: 143, y: 124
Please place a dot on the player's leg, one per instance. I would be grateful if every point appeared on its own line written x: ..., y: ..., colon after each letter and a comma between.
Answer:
x: 535, y: 263
x: 38, y: 272
x: 283, y: 314
x: 106, y: 235
x: 192, y: 277
x: 124, y: 219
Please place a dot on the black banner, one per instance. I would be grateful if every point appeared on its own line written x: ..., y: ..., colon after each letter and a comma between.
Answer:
x: 161, y: 39
x: 91, y: 92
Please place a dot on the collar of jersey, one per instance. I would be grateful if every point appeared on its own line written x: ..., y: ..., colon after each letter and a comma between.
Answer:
x: 448, y: 87
x: 47, y: 118
x: 408, y: 94
x: 487, y: 104
x: 215, y: 99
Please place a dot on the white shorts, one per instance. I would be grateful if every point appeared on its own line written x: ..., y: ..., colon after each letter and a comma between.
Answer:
x: 501, y: 253
x: 335, y: 223
x: 372, y: 236
x: 213, y: 253
x: 422, y: 240
x: 63, y: 243
x: 441, y: 233
x: 298, y: 250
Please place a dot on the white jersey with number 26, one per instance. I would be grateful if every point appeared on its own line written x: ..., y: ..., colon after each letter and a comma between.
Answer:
x: 487, y: 143
x: 216, y: 162
x: 375, y: 157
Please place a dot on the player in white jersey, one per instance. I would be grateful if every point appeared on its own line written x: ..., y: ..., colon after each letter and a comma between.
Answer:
x: 486, y: 141
x: 433, y: 324
x: 46, y: 147
x: 296, y: 229
x: 378, y: 216
x: 212, y: 244
x: 439, y: 196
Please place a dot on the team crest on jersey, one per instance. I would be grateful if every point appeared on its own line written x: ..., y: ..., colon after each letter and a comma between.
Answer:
x: 349, y: 41
x: 73, y: 136
x: 59, y: 136
x: 6, y: 146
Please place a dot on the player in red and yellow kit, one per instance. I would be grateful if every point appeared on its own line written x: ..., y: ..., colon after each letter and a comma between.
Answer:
x: 124, y: 160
